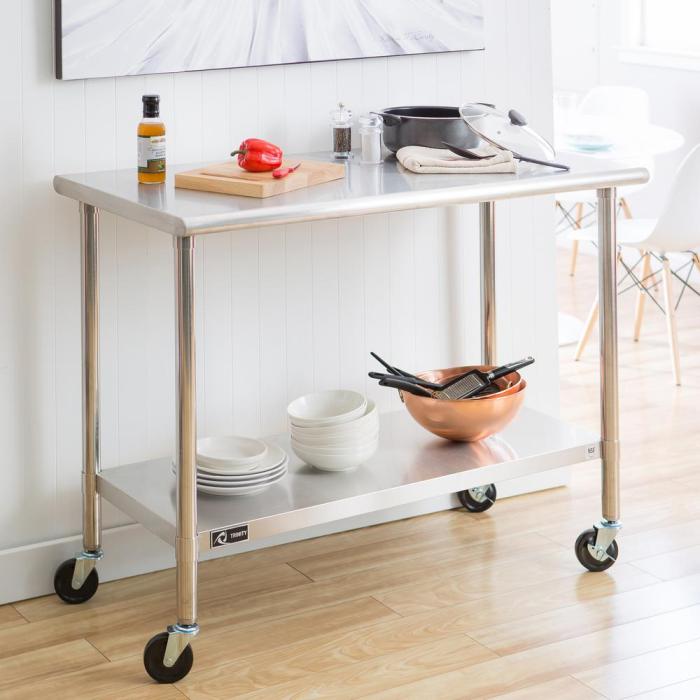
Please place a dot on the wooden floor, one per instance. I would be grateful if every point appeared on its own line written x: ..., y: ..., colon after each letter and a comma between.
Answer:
x: 445, y: 606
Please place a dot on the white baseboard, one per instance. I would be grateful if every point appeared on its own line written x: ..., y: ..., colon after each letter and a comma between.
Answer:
x: 131, y: 550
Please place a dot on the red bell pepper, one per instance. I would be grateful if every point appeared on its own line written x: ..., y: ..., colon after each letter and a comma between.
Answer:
x: 258, y: 156
x: 281, y: 173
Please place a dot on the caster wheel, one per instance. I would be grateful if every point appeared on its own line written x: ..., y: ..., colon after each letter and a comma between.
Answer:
x: 584, y: 555
x: 479, y: 499
x: 65, y: 591
x: 153, y: 660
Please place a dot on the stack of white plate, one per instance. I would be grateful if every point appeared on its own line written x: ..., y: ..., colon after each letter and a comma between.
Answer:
x: 238, y: 466
x: 334, y: 430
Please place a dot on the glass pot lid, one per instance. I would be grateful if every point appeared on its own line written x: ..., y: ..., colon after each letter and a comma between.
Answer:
x: 506, y: 130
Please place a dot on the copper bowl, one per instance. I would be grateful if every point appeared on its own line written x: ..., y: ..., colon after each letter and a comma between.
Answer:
x: 466, y: 420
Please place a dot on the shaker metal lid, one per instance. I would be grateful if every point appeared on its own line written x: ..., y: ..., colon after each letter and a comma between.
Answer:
x: 506, y: 130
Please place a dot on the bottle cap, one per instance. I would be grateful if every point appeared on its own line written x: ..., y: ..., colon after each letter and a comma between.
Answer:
x: 151, y: 106
x: 342, y: 116
x: 371, y: 121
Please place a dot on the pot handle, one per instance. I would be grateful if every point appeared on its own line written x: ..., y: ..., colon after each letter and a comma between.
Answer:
x: 389, y: 119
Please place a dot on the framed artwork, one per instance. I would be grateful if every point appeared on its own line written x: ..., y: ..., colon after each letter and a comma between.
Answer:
x: 104, y: 38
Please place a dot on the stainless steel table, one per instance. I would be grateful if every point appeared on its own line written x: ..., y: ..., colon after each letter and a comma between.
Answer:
x: 410, y: 465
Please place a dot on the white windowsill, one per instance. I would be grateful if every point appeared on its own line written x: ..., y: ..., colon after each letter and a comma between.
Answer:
x: 645, y: 56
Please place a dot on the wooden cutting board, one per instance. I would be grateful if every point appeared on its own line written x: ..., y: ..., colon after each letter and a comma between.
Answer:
x: 229, y: 178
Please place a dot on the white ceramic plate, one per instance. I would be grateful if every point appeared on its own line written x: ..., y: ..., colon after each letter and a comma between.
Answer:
x: 241, y: 478
x: 230, y: 451
x: 327, y: 408
x: 274, y: 456
x: 216, y: 491
x: 244, y: 478
x: 242, y: 484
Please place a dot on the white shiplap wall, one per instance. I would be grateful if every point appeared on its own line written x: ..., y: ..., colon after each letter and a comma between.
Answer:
x: 281, y: 310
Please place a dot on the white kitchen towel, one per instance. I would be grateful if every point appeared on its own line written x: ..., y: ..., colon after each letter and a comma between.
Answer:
x: 419, y: 159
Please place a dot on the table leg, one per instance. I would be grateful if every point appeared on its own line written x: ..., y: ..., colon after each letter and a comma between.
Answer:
x: 609, y: 409
x: 168, y: 656
x: 596, y: 548
x: 481, y: 498
x: 76, y: 580
x: 186, y: 433
x: 487, y: 227
x: 89, y: 267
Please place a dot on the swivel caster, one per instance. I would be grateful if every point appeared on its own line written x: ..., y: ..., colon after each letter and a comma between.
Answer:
x: 595, y: 557
x: 478, y: 499
x: 76, y: 572
x: 173, y: 649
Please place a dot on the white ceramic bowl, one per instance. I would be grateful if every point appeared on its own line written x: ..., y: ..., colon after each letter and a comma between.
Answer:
x: 365, y: 423
x: 327, y: 408
x: 342, y: 441
x: 347, y: 450
x: 229, y: 451
x: 335, y: 463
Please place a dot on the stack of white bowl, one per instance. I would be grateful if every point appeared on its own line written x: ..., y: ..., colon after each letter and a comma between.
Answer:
x: 234, y: 465
x: 334, y: 430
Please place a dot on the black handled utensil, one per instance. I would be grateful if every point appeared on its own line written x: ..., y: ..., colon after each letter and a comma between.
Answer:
x: 472, y: 383
x: 413, y: 380
x: 394, y: 370
x: 401, y: 383
x: 465, y: 153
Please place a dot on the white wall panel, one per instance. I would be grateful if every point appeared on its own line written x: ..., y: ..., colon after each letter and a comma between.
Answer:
x: 31, y: 511
x: 281, y: 311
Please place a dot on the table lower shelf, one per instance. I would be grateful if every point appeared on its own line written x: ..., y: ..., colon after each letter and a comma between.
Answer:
x: 410, y: 465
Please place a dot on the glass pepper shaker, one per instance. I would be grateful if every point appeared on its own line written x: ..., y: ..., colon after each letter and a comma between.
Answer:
x: 371, y: 126
x: 341, y: 121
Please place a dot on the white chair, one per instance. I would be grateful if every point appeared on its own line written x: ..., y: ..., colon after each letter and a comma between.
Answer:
x: 617, y: 105
x: 677, y: 230
x: 624, y: 104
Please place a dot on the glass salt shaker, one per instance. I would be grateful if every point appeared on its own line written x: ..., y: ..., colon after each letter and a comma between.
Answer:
x: 371, y: 126
x: 341, y: 121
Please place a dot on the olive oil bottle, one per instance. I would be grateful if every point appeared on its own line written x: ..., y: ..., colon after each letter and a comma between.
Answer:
x: 151, y: 143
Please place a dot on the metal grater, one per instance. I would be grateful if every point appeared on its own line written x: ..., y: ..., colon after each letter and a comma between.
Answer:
x: 463, y: 388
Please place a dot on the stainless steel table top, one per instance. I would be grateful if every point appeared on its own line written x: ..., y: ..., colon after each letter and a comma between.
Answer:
x: 366, y: 189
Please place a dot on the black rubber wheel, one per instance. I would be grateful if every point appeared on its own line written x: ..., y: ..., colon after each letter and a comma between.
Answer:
x: 584, y: 556
x: 62, y: 584
x: 474, y: 506
x: 153, y: 660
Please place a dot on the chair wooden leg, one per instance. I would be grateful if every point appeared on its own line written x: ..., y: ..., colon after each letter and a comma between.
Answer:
x: 574, y: 247
x: 671, y: 321
x: 587, y: 330
x: 574, y: 257
x: 696, y: 262
x: 625, y: 208
x: 641, y: 296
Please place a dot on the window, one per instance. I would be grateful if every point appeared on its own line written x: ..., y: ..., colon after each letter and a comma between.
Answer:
x: 662, y: 32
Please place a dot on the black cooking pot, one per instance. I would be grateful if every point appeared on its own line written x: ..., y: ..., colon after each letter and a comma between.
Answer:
x: 425, y: 126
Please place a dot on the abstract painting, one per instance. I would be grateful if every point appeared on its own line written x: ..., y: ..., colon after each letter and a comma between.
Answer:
x: 104, y: 38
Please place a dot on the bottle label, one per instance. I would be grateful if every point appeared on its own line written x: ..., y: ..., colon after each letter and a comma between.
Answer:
x: 151, y: 154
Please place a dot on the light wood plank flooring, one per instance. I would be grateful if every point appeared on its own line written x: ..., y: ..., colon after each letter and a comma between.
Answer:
x: 449, y: 605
